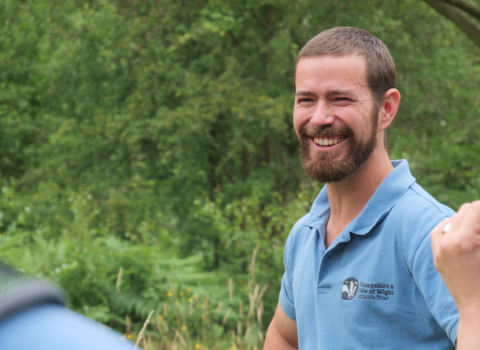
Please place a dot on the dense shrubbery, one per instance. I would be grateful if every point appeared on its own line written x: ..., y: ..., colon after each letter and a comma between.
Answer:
x: 156, y: 137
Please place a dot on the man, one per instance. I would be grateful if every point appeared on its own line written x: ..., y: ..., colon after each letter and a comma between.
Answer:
x: 456, y: 253
x: 359, y: 272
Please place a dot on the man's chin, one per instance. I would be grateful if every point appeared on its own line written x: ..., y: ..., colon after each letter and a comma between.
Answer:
x: 335, y: 169
x: 327, y: 157
x: 325, y: 176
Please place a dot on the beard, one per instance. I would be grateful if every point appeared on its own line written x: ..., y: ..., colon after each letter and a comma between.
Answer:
x: 323, y: 166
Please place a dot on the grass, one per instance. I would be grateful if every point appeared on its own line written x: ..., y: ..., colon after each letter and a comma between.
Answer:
x: 190, y: 321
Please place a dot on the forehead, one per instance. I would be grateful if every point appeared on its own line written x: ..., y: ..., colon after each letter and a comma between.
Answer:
x: 331, y: 72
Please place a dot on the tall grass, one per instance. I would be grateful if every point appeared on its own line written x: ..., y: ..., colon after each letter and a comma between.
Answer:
x: 118, y: 281
x: 189, y: 320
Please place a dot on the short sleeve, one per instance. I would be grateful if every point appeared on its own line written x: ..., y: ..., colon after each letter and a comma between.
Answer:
x: 434, y: 290
x: 286, y: 292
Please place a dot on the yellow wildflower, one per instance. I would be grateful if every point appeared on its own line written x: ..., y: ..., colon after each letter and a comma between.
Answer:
x: 169, y: 294
x: 181, y: 293
x: 202, y: 306
x: 190, y: 300
x: 184, y: 328
x: 197, y: 346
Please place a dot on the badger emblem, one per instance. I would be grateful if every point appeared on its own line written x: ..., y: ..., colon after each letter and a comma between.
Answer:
x: 350, y: 288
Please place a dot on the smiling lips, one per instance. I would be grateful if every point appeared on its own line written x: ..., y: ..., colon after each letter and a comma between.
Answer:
x: 329, y: 141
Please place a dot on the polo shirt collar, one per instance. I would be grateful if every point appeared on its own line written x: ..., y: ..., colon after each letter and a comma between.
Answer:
x: 392, y: 188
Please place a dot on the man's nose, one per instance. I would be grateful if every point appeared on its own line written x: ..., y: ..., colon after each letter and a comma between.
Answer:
x: 322, y: 114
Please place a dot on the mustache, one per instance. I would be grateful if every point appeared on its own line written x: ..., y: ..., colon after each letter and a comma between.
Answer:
x: 312, y: 131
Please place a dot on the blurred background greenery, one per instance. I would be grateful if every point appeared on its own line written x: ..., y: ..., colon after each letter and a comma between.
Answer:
x: 156, y: 137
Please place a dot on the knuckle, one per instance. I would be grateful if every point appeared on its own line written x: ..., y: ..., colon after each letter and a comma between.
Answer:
x: 465, y: 206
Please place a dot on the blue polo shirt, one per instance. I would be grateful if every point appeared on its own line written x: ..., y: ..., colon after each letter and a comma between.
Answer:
x: 375, y: 287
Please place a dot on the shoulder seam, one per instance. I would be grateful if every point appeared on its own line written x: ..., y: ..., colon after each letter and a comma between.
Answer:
x: 435, y: 203
x: 295, y: 229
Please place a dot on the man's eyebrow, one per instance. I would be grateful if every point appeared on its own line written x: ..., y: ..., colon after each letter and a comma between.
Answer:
x: 328, y: 94
x: 341, y: 92
x: 304, y: 93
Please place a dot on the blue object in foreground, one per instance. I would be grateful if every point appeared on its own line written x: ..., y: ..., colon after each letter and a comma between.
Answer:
x: 54, y: 327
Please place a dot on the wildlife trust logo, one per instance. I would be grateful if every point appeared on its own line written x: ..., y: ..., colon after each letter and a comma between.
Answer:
x: 350, y: 288
x: 369, y: 291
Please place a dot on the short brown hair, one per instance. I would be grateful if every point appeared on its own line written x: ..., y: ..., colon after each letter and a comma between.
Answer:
x: 342, y: 41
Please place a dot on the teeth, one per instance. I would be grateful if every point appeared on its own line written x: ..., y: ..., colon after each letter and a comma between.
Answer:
x: 326, y: 142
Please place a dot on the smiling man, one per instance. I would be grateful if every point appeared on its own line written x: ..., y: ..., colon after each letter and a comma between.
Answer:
x: 359, y: 272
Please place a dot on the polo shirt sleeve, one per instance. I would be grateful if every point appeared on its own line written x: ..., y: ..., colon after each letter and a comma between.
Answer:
x: 433, y: 289
x: 286, y: 291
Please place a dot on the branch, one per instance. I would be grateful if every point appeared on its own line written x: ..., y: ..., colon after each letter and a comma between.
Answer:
x: 465, y: 6
x: 459, y: 18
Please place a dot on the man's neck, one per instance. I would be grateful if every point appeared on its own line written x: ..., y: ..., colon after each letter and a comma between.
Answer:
x: 348, y: 197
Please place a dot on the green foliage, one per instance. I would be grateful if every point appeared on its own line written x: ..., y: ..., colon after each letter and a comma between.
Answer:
x: 156, y: 136
x: 86, y: 261
x: 226, y: 323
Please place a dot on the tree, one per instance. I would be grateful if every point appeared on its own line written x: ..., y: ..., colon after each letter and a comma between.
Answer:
x: 460, y: 12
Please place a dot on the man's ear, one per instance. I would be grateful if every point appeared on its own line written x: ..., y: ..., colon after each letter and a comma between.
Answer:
x: 389, y: 108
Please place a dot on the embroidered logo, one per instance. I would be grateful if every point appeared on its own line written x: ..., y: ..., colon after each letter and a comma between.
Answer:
x: 350, y: 288
x: 376, y: 291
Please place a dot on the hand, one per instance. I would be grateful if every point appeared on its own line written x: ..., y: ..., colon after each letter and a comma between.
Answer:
x: 456, y: 255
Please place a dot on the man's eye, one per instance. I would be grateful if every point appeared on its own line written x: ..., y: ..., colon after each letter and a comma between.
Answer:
x: 305, y: 100
x: 343, y: 99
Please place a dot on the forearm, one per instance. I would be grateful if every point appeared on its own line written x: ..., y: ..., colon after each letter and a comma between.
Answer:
x: 468, y: 335
x: 274, y: 340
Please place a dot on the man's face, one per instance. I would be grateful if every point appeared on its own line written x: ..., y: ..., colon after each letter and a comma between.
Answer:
x: 335, y: 116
